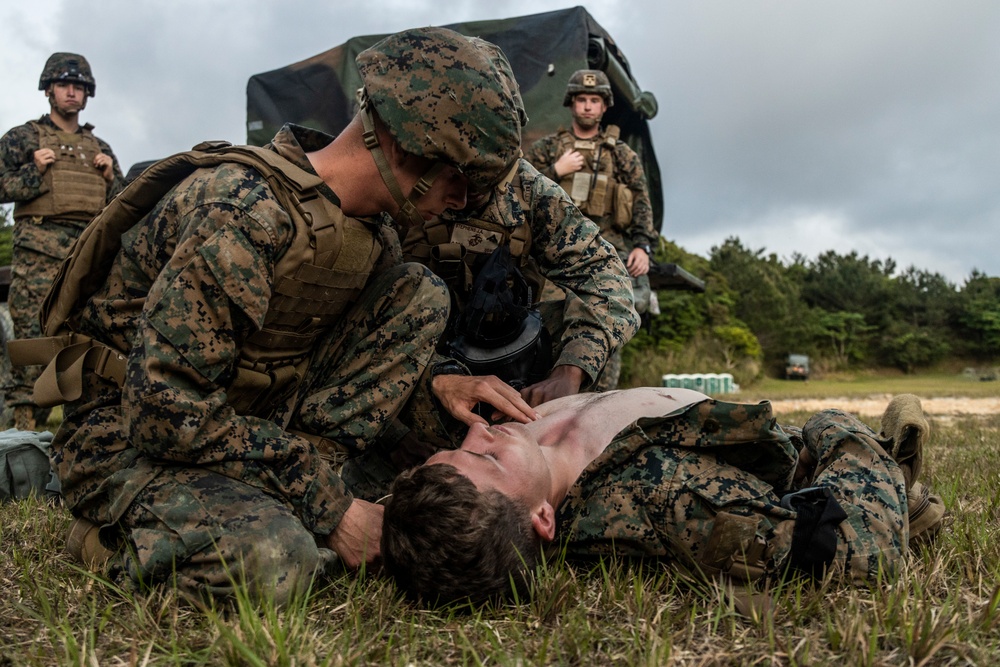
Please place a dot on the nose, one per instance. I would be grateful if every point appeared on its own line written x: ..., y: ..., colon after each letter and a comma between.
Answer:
x: 479, y: 434
x: 457, y: 196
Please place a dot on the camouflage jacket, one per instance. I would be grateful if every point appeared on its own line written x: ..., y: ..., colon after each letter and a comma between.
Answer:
x: 706, y: 487
x: 21, y: 180
x: 203, y: 262
x: 566, y: 249
x: 656, y: 488
x: 544, y: 153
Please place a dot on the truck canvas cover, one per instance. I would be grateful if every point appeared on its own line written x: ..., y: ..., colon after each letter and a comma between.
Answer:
x: 543, y: 49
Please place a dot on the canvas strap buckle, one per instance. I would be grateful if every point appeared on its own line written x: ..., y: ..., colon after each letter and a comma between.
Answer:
x: 62, y: 379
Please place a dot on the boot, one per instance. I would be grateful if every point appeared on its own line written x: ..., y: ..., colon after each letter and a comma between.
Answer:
x: 84, y: 544
x: 904, y: 422
x: 927, y: 515
x: 24, y: 418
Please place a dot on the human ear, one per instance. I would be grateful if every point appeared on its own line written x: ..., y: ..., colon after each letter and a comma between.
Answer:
x: 543, y: 520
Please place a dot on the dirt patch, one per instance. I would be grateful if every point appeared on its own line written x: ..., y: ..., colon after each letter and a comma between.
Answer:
x: 874, y: 406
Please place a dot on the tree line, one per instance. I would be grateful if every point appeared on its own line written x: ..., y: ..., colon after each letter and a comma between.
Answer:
x: 843, y: 310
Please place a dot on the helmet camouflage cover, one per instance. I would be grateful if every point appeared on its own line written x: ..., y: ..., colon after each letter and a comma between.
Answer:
x: 442, y: 98
x: 68, y: 67
x: 589, y: 81
x: 499, y: 60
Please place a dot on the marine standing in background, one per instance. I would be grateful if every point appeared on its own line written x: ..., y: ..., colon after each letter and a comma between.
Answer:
x: 604, y: 178
x: 58, y: 175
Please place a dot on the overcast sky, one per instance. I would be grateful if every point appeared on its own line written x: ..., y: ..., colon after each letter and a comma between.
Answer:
x: 796, y: 126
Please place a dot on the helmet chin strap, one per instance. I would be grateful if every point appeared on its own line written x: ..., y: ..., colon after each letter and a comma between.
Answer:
x: 408, y: 214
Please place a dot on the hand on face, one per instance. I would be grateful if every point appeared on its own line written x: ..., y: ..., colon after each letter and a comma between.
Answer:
x: 459, y: 395
x: 564, y: 380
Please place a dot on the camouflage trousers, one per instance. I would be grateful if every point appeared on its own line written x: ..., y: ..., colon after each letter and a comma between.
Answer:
x: 39, y: 247
x: 730, y: 522
x: 202, y: 527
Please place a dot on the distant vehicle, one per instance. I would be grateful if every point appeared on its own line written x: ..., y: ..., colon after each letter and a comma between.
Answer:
x: 797, y: 367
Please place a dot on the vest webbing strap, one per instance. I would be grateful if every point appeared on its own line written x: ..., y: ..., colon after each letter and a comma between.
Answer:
x: 66, y: 358
x: 78, y: 279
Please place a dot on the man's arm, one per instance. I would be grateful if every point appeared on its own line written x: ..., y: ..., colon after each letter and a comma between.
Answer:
x: 640, y: 233
x: 20, y: 179
x: 114, y: 175
x: 598, y: 314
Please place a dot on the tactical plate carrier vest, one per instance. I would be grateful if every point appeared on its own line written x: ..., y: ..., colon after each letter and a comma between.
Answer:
x: 594, y: 189
x: 453, y: 250
x: 76, y: 189
x: 318, y: 278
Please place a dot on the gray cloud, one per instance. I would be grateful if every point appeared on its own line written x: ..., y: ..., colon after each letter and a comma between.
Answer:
x: 799, y: 127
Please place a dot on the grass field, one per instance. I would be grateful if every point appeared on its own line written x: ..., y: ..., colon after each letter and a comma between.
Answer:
x: 943, y: 609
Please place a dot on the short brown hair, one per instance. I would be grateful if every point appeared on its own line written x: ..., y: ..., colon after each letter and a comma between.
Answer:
x: 444, y: 541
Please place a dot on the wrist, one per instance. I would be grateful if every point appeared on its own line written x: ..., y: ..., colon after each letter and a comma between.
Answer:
x: 449, y: 367
x: 645, y: 247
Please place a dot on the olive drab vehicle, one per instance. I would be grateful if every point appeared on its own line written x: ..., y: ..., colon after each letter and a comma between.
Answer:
x: 543, y: 49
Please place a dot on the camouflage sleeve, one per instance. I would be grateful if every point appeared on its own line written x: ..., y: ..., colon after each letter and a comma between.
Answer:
x: 20, y: 180
x: 118, y: 182
x: 542, y: 156
x: 629, y: 171
x: 598, y: 313
x: 211, y: 293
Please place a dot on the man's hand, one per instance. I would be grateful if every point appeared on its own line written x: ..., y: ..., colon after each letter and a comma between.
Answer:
x: 569, y: 162
x: 105, y: 165
x: 562, y: 381
x: 43, y: 158
x: 459, y: 394
x: 637, y: 263
x: 358, y: 536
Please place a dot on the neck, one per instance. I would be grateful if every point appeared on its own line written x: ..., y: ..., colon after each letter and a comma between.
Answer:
x: 70, y: 123
x: 346, y: 165
x: 586, y: 133
x: 572, y: 433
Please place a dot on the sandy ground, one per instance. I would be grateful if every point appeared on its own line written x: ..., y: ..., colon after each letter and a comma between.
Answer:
x: 874, y: 406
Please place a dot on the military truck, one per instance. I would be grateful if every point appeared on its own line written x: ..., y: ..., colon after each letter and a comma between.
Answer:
x: 797, y: 367
x: 543, y: 49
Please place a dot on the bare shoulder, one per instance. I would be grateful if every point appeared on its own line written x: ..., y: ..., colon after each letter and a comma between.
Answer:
x: 617, y: 409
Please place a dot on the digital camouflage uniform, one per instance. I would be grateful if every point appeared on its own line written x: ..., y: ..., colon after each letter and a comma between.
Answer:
x: 40, y: 243
x: 196, y: 485
x: 564, y: 248
x: 167, y: 455
x: 704, y: 485
x: 544, y: 153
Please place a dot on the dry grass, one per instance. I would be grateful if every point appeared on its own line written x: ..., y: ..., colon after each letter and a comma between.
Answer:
x: 944, y: 609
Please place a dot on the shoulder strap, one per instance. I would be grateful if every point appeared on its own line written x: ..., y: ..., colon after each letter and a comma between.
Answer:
x: 82, y: 274
x: 611, y: 135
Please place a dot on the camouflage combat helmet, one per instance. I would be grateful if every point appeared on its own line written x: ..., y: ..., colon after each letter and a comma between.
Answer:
x: 441, y: 98
x: 499, y: 60
x: 68, y: 67
x: 589, y: 81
